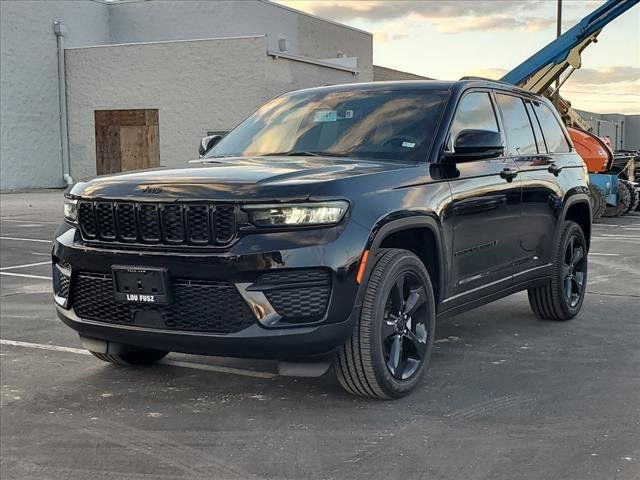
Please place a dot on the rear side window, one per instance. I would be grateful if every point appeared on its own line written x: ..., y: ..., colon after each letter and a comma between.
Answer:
x: 536, y: 128
x: 520, y: 139
x: 553, y: 134
x: 475, y: 111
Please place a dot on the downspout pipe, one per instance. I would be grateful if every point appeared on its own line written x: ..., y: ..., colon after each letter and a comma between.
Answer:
x: 61, y: 30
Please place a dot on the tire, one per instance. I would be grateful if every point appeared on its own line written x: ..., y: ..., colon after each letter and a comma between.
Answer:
x: 135, y: 357
x: 634, y: 195
x: 562, y: 296
x: 598, y: 202
x: 622, y: 202
x: 388, y: 352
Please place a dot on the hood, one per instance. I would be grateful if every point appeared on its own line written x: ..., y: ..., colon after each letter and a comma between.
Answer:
x: 260, y: 178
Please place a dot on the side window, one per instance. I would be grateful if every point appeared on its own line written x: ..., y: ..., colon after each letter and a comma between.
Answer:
x: 553, y: 134
x: 542, y: 148
x: 475, y: 111
x: 520, y: 139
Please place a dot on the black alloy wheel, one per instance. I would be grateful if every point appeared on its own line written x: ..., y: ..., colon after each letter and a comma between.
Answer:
x: 574, y: 270
x: 404, y: 327
x: 561, y: 297
x: 388, y: 352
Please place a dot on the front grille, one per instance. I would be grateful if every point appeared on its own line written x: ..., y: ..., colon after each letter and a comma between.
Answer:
x: 197, y: 306
x: 157, y: 223
x: 297, y: 295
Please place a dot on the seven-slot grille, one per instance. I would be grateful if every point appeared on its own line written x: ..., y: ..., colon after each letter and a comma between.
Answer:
x: 157, y: 223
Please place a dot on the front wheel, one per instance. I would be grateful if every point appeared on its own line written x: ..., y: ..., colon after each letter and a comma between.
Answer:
x: 145, y: 356
x: 562, y: 296
x: 389, y: 349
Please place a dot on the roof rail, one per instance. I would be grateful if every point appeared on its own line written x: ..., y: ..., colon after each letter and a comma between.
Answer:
x: 492, y: 80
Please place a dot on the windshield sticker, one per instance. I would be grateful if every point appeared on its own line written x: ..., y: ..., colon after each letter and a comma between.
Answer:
x: 408, y: 144
x: 348, y: 114
x: 325, y: 116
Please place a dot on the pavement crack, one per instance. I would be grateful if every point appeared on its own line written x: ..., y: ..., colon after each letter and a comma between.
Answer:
x: 630, y: 295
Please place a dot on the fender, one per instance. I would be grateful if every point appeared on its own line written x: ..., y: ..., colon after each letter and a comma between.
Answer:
x: 398, y: 221
x: 573, y: 197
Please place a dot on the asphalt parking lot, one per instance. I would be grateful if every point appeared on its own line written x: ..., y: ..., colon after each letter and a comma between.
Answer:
x: 507, y: 396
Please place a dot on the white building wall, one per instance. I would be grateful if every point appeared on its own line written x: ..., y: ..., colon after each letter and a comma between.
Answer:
x: 30, y: 153
x: 195, y: 85
x: 156, y: 20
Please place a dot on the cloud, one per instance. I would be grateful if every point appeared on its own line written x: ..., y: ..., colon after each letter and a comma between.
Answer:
x: 606, y: 75
x: 380, y: 37
x: 450, y: 16
x: 493, y: 73
x: 493, y: 23
x: 585, y: 76
x: 391, y: 10
x: 606, y: 89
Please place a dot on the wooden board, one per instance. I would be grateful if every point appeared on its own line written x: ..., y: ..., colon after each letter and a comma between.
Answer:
x: 126, y: 140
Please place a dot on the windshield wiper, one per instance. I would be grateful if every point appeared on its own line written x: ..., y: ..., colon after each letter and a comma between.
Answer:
x: 303, y: 153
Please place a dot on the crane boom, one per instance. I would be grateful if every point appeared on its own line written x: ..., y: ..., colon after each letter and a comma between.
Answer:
x: 539, y: 71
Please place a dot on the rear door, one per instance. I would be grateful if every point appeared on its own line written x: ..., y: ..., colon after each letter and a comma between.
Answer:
x: 525, y: 144
x: 484, y: 205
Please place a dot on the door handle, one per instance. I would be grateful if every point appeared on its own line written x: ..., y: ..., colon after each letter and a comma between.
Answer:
x: 555, y: 169
x: 508, y: 174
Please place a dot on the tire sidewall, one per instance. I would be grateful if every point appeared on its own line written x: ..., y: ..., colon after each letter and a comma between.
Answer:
x: 571, y: 229
x: 405, y: 262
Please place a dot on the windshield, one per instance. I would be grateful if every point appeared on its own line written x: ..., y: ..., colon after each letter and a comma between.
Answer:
x: 380, y: 124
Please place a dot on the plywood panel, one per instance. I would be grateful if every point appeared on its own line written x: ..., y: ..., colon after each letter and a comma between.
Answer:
x: 108, y: 150
x: 126, y: 140
x: 131, y: 148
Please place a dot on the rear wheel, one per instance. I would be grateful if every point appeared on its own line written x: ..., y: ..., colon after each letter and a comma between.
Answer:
x: 623, y: 200
x: 598, y: 202
x: 562, y: 296
x: 389, y: 349
x: 135, y: 357
x: 634, y: 196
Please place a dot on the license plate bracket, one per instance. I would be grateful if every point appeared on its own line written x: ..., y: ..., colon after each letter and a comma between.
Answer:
x: 141, y: 285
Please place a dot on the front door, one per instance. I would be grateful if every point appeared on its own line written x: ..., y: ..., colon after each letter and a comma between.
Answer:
x: 478, y: 223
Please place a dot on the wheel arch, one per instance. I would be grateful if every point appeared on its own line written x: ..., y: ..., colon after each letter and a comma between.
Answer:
x: 578, y: 209
x: 420, y: 234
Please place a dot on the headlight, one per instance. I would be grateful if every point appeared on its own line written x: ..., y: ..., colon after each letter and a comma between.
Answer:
x: 70, y: 210
x: 301, y: 214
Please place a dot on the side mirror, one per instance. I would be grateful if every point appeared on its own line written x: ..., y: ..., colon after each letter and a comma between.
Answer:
x: 207, y: 143
x: 473, y: 145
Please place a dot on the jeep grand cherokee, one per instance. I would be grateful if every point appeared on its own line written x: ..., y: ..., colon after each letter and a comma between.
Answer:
x: 334, y: 225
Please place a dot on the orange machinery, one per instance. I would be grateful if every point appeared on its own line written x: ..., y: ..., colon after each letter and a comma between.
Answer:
x: 595, y: 152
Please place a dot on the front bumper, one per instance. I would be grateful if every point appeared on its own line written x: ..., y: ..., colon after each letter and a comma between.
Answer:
x: 269, y: 334
x: 252, y: 342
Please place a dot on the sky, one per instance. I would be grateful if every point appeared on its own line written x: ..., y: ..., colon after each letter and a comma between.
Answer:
x: 448, y: 39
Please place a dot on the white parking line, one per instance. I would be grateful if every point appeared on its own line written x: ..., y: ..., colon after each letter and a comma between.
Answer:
x: 616, y: 239
x: 18, y: 220
x: 605, y: 254
x: 25, y: 275
x: 611, y: 235
x: 25, y: 265
x: 40, y: 346
x: 172, y: 363
x: 25, y: 239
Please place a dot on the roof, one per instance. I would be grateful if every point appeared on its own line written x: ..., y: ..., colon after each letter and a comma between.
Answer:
x: 422, y: 85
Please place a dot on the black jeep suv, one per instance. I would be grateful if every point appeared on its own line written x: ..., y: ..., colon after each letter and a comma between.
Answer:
x: 335, y: 225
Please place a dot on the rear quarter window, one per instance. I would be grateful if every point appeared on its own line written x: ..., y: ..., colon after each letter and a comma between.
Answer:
x: 551, y: 129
